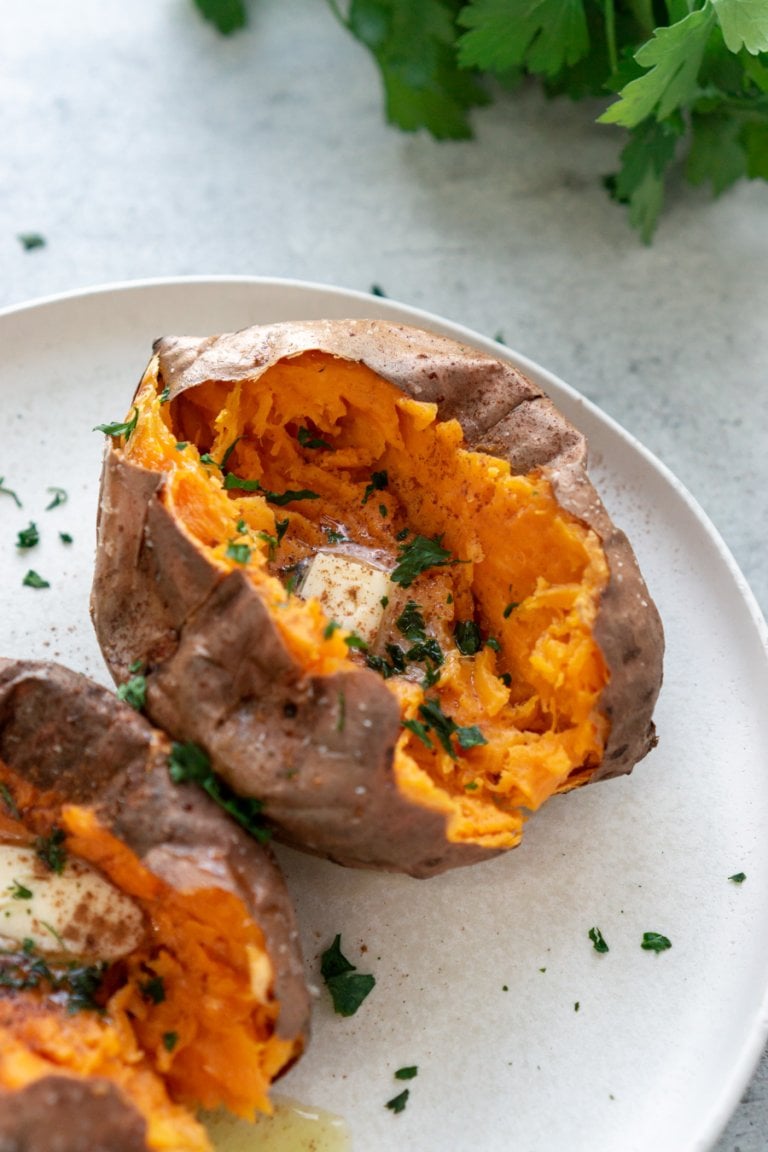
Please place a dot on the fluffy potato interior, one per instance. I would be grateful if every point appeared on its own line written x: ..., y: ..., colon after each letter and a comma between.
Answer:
x: 184, y: 1020
x: 321, y: 454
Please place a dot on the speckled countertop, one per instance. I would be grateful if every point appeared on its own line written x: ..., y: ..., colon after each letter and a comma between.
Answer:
x: 140, y: 144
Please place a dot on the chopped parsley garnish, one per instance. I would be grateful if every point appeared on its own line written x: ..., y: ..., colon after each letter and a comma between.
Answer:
x: 28, y: 537
x: 307, y: 440
x: 738, y: 877
x: 598, y: 943
x: 655, y: 942
x: 9, y: 492
x: 383, y: 511
x: 281, y: 527
x: 355, y: 641
x: 445, y: 727
x: 231, y: 481
x: 270, y: 541
x: 170, y: 1040
x: 135, y: 667
x: 229, y: 452
x: 188, y: 763
x: 78, y: 984
x: 417, y: 556
x: 65, y: 537
x: 510, y: 609
x: 240, y: 553
x: 35, y: 580
x: 342, y: 713
x: 165, y: 395
x: 31, y: 240
x: 153, y: 990
x: 419, y: 730
x: 8, y: 800
x: 59, y: 497
x: 120, y: 429
x: 20, y: 891
x: 50, y: 849
x: 134, y: 692
x: 402, y: 534
x: 467, y: 636
x: 407, y: 1073
x: 493, y: 643
x: 397, y: 1103
x: 181, y: 445
x: 347, y: 986
x: 377, y: 290
x: 378, y: 482
x: 411, y: 622
x: 334, y: 537
x: 331, y: 627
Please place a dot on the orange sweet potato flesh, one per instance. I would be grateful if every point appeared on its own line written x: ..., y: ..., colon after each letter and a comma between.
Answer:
x: 220, y: 939
x: 193, y: 579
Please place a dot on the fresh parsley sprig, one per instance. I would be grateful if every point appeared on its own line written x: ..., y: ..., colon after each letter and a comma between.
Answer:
x: 189, y: 763
x: 690, y: 80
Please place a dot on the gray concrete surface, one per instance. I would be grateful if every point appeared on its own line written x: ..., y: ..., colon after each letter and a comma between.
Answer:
x: 141, y: 144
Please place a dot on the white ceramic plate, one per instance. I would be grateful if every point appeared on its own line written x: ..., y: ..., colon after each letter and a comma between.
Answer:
x: 479, y: 973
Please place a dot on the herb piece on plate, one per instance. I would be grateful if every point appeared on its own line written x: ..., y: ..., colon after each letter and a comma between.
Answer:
x: 655, y: 942
x: 598, y: 941
x: 347, y: 986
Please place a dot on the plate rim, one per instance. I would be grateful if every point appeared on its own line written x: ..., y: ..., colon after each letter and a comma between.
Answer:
x: 753, y: 1044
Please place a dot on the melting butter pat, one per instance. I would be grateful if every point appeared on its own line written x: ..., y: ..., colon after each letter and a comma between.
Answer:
x: 349, y: 590
x: 75, y: 912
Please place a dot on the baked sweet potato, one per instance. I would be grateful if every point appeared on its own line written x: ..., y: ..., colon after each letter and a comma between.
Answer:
x: 149, y: 961
x: 364, y: 568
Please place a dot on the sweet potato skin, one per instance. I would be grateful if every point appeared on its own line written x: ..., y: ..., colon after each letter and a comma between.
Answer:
x: 60, y: 730
x: 218, y: 671
x: 61, y: 1114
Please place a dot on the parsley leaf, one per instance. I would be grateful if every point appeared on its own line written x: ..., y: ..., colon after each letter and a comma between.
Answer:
x: 189, y: 763
x: 655, y: 942
x: 379, y: 481
x: 50, y: 849
x: 34, y: 580
x: 28, y: 537
x: 674, y: 56
x: 407, y: 1073
x: 240, y: 553
x: 280, y: 498
x: 542, y: 35
x: 134, y: 692
x: 397, y: 1103
x: 120, y: 429
x: 413, y: 43
x: 738, y: 877
x: 9, y: 492
x: 445, y: 727
x: 417, y: 556
x: 744, y: 23
x: 59, y: 497
x: 598, y: 943
x: 347, y: 986
x: 307, y: 440
x: 227, y: 16
x: 31, y: 240
x: 467, y: 636
x: 640, y: 182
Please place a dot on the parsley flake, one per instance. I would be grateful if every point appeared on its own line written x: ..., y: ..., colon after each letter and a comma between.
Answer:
x: 153, y: 990
x: 188, y: 763
x: 347, y: 986
x: 240, y: 553
x: 307, y: 440
x: 65, y: 538
x: 50, y: 849
x: 35, y: 580
x: 120, y: 429
x: 655, y: 942
x: 407, y: 1073
x: 9, y: 492
x: 165, y: 395
x: 7, y: 797
x: 280, y: 498
x: 738, y: 877
x: 59, y: 496
x: 417, y: 556
x: 20, y: 891
x: 445, y: 727
x: 170, y: 1040
x: 31, y: 240
x: 467, y: 636
x: 378, y: 482
x: 134, y: 692
x: 598, y: 942
x: 28, y: 537
x: 397, y: 1103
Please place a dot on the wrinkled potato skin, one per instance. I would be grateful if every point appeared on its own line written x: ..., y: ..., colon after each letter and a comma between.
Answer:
x: 61, y: 731
x: 61, y: 1114
x: 218, y: 671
